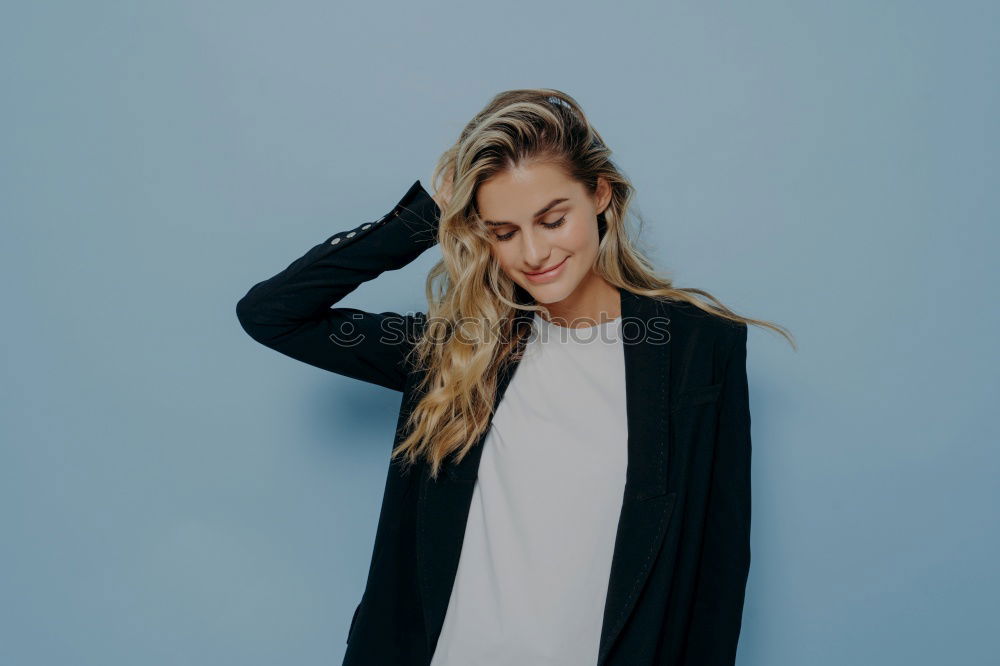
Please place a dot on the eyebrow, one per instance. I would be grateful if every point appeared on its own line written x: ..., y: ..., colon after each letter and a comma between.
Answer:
x: 543, y: 211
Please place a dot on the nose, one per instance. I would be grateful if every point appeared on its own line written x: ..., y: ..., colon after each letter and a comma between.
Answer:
x: 535, y: 252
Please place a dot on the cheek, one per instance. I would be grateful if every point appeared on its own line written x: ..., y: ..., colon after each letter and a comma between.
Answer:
x: 502, y: 257
x: 583, y: 239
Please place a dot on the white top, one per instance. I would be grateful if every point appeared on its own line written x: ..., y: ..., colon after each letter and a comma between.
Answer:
x: 536, y: 557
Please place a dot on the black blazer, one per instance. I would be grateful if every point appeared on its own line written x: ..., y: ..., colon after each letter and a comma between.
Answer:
x: 682, y: 551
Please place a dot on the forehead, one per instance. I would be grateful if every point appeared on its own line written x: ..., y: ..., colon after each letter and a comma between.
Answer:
x: 517, y: 194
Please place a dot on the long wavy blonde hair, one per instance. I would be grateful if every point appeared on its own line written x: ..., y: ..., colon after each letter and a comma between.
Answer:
x: 472, y: 303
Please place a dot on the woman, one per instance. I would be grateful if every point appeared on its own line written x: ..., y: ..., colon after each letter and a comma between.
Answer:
x: 594, y: 505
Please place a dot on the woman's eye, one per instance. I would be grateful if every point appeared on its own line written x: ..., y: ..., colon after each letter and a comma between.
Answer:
x: 547, y: 225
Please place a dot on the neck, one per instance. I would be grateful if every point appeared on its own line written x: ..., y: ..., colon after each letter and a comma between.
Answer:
x: 594, y: 301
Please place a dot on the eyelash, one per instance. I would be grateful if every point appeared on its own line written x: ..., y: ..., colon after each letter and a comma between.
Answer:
x: 550, y: 225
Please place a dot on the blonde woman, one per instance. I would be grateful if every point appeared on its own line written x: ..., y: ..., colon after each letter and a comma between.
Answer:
x: 570, y: 478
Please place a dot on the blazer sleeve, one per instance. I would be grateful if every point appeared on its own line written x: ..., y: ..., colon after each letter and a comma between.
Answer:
x: 725, y: 561
x: 292, y: 312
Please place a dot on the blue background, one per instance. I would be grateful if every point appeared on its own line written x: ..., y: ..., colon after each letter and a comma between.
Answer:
x: 172, y: 492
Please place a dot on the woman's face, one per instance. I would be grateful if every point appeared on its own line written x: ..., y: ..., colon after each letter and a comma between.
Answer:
x: 540, y: 219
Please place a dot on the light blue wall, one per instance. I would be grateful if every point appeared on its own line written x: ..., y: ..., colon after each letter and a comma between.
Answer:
x: 173, y: 493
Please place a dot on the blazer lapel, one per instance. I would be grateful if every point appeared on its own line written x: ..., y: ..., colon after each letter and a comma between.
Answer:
x: 442, y: 514
x: 646, y: 505
x: 443, y: 505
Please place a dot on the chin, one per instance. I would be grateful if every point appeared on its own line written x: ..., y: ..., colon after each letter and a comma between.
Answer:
x: 545, y: 294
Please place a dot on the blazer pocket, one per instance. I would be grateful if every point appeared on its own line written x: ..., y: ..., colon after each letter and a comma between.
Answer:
x: 697, y: 396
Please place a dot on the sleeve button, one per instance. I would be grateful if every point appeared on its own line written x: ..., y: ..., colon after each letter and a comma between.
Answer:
x: 366, y: 226
x: 350, y: 234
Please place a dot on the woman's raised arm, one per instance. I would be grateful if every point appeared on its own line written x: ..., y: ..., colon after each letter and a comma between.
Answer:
x: 292, y: 312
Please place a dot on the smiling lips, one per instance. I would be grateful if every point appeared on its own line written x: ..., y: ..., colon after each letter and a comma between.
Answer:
x: 547, y: 275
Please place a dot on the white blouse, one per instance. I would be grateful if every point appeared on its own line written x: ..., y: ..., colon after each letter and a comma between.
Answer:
x: 536, y: 556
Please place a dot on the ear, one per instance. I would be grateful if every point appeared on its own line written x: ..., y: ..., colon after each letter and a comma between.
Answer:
x: 602, y: 194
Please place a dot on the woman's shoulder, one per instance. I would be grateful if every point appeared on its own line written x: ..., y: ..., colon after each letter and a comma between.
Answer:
x: 690, y: 321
